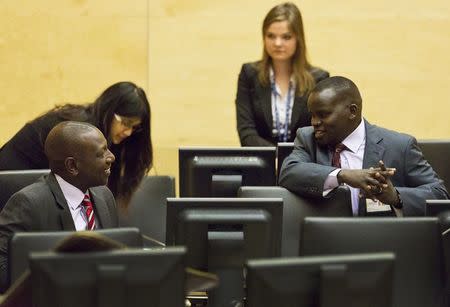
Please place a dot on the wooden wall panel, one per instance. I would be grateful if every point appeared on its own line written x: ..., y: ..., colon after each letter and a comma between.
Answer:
x: 187, y: 55
x: 56, y: 51
x: 396, y: 52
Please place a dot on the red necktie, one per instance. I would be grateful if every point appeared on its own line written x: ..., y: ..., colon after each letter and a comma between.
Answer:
x: 336, y: 160
x: 89, y: 210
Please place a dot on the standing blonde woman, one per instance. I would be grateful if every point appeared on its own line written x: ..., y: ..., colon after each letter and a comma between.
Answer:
x: 272, y: 93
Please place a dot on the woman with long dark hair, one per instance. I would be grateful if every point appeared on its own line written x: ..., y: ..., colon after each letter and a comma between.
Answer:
x: 121, y: 112
x: 272, y: 93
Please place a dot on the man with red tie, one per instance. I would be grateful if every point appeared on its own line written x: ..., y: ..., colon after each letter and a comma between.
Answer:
x: 72, y: 197
x: 383, y: 168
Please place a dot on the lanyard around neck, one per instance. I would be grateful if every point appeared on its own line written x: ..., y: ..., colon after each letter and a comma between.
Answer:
x: 282, y: 132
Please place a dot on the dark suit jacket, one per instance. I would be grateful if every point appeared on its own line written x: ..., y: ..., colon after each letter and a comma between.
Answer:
x: 305, y: 170
x: 254, y: 108
x: 42, y: 206
x: 25, y: 150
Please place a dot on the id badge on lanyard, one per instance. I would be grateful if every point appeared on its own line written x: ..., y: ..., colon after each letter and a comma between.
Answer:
x: 281, y: 130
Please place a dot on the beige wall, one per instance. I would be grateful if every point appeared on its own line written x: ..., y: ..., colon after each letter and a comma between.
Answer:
x: 395, y: 50
x: 57, y: 51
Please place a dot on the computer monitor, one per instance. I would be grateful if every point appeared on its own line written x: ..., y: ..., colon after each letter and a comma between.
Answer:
x: 437, y: 152
x: 435, y: 207
x: 221, y: 233
x: 219, y: 172
x: 419, y: 277
x: 22, y: 244
x: 441, y: 209
x: 323, y: 281
x: 131, y: 278
x: 283, y: 150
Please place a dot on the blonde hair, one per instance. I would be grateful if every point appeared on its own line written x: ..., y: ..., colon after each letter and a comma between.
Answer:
x: 289, y: 12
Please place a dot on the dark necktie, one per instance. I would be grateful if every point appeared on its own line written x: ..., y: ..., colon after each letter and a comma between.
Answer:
x: 336, y: 160
x: 89, y: 210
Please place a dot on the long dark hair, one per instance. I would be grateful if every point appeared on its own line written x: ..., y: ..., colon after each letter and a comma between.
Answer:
x: 134, y: 155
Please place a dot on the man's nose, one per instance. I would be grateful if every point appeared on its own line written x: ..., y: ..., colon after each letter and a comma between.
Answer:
x: 110, y: 158
x: 315, y: 121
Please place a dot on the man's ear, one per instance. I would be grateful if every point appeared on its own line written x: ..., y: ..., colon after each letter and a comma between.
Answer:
x: 353, y: 110
x: 71, y: 166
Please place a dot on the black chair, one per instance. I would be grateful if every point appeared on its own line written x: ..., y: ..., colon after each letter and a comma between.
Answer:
x: 419, y: 270
x: 13, y: 181
x: 147, y: 209
x: 296, y: 208
x: 437, y: 153
x: 283, y: 150
x: 22, y: 243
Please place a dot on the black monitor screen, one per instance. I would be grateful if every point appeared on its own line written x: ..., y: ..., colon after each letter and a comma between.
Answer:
x: 118, y: 278
x: 346, y: 280
x: 219, y: 172
x: 437, y: 152
x: 283, y: 150
x: 434, y: 207
x: 417, y: 244
x: 23, y: 243
x: 221, y: 233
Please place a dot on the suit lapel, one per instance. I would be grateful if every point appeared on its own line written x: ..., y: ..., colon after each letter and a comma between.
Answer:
x: 266, y: 105
x: 64, y: 212
x: 323, y: 155
x: 374, y: 149
x: 101, y: 210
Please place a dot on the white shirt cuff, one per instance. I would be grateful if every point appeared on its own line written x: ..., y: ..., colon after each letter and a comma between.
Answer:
x: 331, y: 182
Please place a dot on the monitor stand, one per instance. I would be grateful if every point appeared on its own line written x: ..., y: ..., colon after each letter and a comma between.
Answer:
x: 333, y: 286
x: 228, y: 268
x: 225, y: 185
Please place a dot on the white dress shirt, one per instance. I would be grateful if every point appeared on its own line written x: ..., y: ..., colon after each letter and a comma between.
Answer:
x: 74, y: 198
x: 281, y: 103
x: 351, y: 158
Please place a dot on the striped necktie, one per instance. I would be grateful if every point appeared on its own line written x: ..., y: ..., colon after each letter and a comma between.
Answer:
x: 336, y: 160
x: 89, y: 211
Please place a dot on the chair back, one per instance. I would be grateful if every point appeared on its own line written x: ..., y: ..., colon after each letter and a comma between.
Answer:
x: 147, y: 209
x: 296, y: 208
x: 13, y: 181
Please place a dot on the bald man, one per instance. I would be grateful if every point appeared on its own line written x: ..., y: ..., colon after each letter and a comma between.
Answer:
x: 80, y: 164
x: 384, y: 169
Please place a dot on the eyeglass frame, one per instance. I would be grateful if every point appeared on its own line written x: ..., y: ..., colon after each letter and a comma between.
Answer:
x: 123, y: 121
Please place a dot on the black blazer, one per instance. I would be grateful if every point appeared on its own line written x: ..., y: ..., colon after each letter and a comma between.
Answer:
x: 25, y: 150
x: 254, y: 108
x: 42, y: 206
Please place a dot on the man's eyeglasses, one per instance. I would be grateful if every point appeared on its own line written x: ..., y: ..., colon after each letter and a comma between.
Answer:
x: 129, y: 123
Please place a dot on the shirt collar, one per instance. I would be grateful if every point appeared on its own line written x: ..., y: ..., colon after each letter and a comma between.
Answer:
x: 72, y: 194
x: 272, y: 80
x: 354, y: 140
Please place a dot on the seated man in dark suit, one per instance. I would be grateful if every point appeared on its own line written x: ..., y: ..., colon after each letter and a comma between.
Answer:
x: 72, y: 197
x: 384, y: 169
